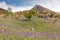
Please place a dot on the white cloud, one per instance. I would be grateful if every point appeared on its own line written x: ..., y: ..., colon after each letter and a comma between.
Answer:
x: 3, y: 5
x: 14, y: 9
x: 51, y: 4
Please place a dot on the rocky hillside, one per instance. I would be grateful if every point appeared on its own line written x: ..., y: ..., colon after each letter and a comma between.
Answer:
x: 42, y: 11
x: 41, y: 8
x: 2, y: 11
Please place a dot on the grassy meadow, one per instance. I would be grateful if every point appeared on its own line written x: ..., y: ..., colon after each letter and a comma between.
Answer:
x: 29, y: 25
x: 44, y: 29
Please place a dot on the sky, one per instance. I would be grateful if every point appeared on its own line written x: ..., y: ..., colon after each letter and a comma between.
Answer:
x: 20, y: 5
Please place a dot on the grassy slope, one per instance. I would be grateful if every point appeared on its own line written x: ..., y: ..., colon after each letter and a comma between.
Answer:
x: 10, y: 28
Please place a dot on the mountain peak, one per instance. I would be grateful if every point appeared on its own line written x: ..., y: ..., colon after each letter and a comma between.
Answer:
x: 38, y: 8
x: 41, y: 8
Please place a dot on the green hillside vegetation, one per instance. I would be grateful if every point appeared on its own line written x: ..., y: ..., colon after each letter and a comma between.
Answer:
x: 30, y: 25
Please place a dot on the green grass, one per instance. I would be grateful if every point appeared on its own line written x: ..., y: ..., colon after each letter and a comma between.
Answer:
x: 39, y: 24
x: 14, y: 37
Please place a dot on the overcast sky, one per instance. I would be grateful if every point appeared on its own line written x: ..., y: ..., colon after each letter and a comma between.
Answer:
x: 20, y: 5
